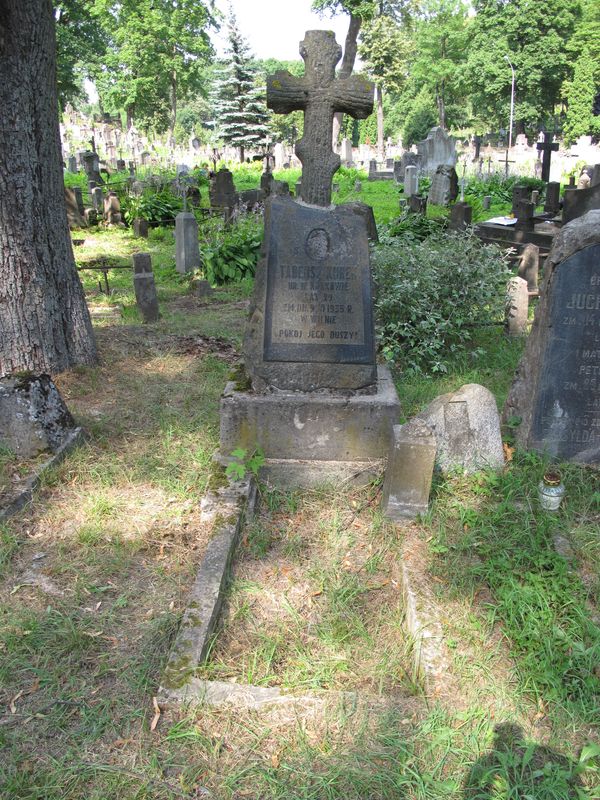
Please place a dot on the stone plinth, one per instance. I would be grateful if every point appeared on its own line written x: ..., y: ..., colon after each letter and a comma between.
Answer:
x: 310, y: 429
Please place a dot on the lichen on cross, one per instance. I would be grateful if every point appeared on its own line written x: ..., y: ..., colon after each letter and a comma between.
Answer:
x: 319, y: 94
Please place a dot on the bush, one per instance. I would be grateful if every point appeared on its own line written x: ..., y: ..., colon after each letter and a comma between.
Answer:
x: 230, y: 252
x: 157, y: 207
x: 500, y: 188
x: 432, y: 294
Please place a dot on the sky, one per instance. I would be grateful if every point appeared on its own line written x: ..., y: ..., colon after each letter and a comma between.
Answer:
x: 274, y: 28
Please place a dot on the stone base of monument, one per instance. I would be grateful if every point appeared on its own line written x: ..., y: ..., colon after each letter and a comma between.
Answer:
x: 311, y: 438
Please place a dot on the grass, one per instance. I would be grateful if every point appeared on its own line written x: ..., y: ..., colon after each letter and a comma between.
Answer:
x: 322, y: 611
x: 94, y: 577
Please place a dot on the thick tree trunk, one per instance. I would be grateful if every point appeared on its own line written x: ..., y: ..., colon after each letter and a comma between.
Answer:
x: 44, y: 322
x: 380, y: 142
x: 350, y: 48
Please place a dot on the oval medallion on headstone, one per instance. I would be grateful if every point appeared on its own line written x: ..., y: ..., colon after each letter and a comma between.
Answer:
x: 317, y: 244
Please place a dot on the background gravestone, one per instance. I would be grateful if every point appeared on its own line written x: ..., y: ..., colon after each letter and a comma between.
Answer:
x: 555, y: 394
x: 437, y: 149
x: 444, y: 186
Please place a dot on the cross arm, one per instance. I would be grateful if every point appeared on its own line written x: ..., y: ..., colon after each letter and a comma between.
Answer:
x: 286, y: 93
x: 354, y: 96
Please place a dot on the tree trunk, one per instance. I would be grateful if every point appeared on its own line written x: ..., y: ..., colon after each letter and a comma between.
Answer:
x: 129, y: 112
x: 44, y: 321
x: 242, y: 153
x: 350, y: 48
x: 380, y: 142
x: 441, y: 110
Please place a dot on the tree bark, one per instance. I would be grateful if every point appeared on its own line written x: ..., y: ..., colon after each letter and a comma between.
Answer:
x: 45, y: 325
x: 350, y: 49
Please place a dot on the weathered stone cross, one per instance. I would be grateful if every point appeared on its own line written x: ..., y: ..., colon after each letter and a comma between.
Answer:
x: 319, y: 94
x: 546, y: 147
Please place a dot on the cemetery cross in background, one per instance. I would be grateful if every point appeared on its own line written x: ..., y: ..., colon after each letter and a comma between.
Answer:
x: 320, y: 95
x: 546, y: 147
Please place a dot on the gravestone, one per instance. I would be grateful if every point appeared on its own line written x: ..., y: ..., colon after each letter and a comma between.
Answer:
x: 461, y: 216
x: 444, y: 186
x: 145, y: 288
x: 72, y: 164
x: 97, y: 196
x: 318, y: 402
x: 546, y: 147
x: 346, y: 153
x: 486, y: 202
x: 517, y: 307
x: 524, y: 211
x: 74, y: 215
x: 596, y: 175
x: 520, y: 194
x: 409, y: 159
x: 411, y: 181
x: 555, y: 393
x: 417, y: 204
x: 140, y: 228
x: 409, y: 471
x: 552, y: 204
x: 577, y: 202
x: 187, y: 249
x: 437, y: 149
x: 91, y: 166
x: 112, y: 209
x: 222, y: 191
x: 529, y: 266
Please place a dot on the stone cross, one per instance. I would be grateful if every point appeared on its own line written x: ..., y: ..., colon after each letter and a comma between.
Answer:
x: 320, y: 95
x: 546, y: 147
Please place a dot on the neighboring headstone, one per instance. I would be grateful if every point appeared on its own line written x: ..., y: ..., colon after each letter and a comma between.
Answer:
x: 187, y: 250
x: 552, y: 204
x: 140, y: 228
x: 91, y: 166
x: 486, y: 202
x: 437, y: 149
x: 535, y: 197
x: 222, y: 190
x: 346, y: 153
x: 121, y: 165
x: 409, y: 471
x: 520, y: 195
x: 461, y: 216
x: 279, y: 155
x: 201, y: 288
x: 417, y: 204
x: 547, y: 147
x: 97, y: 196
x: 555, y: 390
x: 584, y: 181
x: 517, y: 307
x: 524, y: 212
x: 466, y: 426
x: 72, y: 164
x: 357, y: 186
x: 74, y: 217
x: 409, y: 159
x: 577, y: 202
x: 444, y: 186
x: 33, y: 415
x: 145, y: 288
x: 411, y: 181
x: 529, y: 266
x: 596, y: 175
x: 79, y: 199
x: 112, y: 209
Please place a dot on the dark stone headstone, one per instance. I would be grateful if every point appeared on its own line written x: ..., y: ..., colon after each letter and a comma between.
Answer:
x: 417, y: 204
x: 577, y: 202
x: 74, y: 216
x: 552, y: 204
x: 524, y: 211
x: 366, y: 212
x: 461, y: 215
x: 121, y: 166
x: 311, y: 321
x: 222, y: 190
x: 72, y: 164
x: 444, y: 186
x: 79, y: 199
x: 112, y: 209
x: 555, y: 391
x: 91, y: 165
x: 33, y: 415
x: 520, y: 194
x: 547, y: 147
x: 145, y: 288
x: 409, y: 471
x: 140, y: 228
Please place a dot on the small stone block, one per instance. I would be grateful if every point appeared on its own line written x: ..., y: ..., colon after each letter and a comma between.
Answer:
x: 409, y: 471
x: 140, y: 228
x: 187, y: 250
x: 145, y: 288
x: 517, y: 309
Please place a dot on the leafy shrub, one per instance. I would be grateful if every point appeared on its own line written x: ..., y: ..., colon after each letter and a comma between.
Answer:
x: 230, y: 252
x: 431, y: 294
x: 157, y: 207
x: 500, y: 188
x: 415, y: 226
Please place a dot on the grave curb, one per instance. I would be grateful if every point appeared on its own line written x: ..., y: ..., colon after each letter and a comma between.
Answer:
x: 30, y: 484
x: 230, y: 508
x: 431, y: 662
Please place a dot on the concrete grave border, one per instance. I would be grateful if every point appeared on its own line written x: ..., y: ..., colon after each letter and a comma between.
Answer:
x: 28, y: 485
x: 231, y: 507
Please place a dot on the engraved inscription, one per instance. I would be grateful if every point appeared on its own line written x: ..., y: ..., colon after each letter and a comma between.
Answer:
x: 318, y: 291
x: 567, y: 416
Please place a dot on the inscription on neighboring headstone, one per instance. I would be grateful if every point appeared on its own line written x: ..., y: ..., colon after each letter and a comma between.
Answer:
x: 566, y: 419
x: 318, y: 288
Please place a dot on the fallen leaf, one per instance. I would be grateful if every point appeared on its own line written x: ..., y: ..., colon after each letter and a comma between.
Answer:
x: 317, y: 593
x: 275, y: 760
x: 34, y: 687
x: 156, y: 717
x: 12, y: 704
x: 508, y: 451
